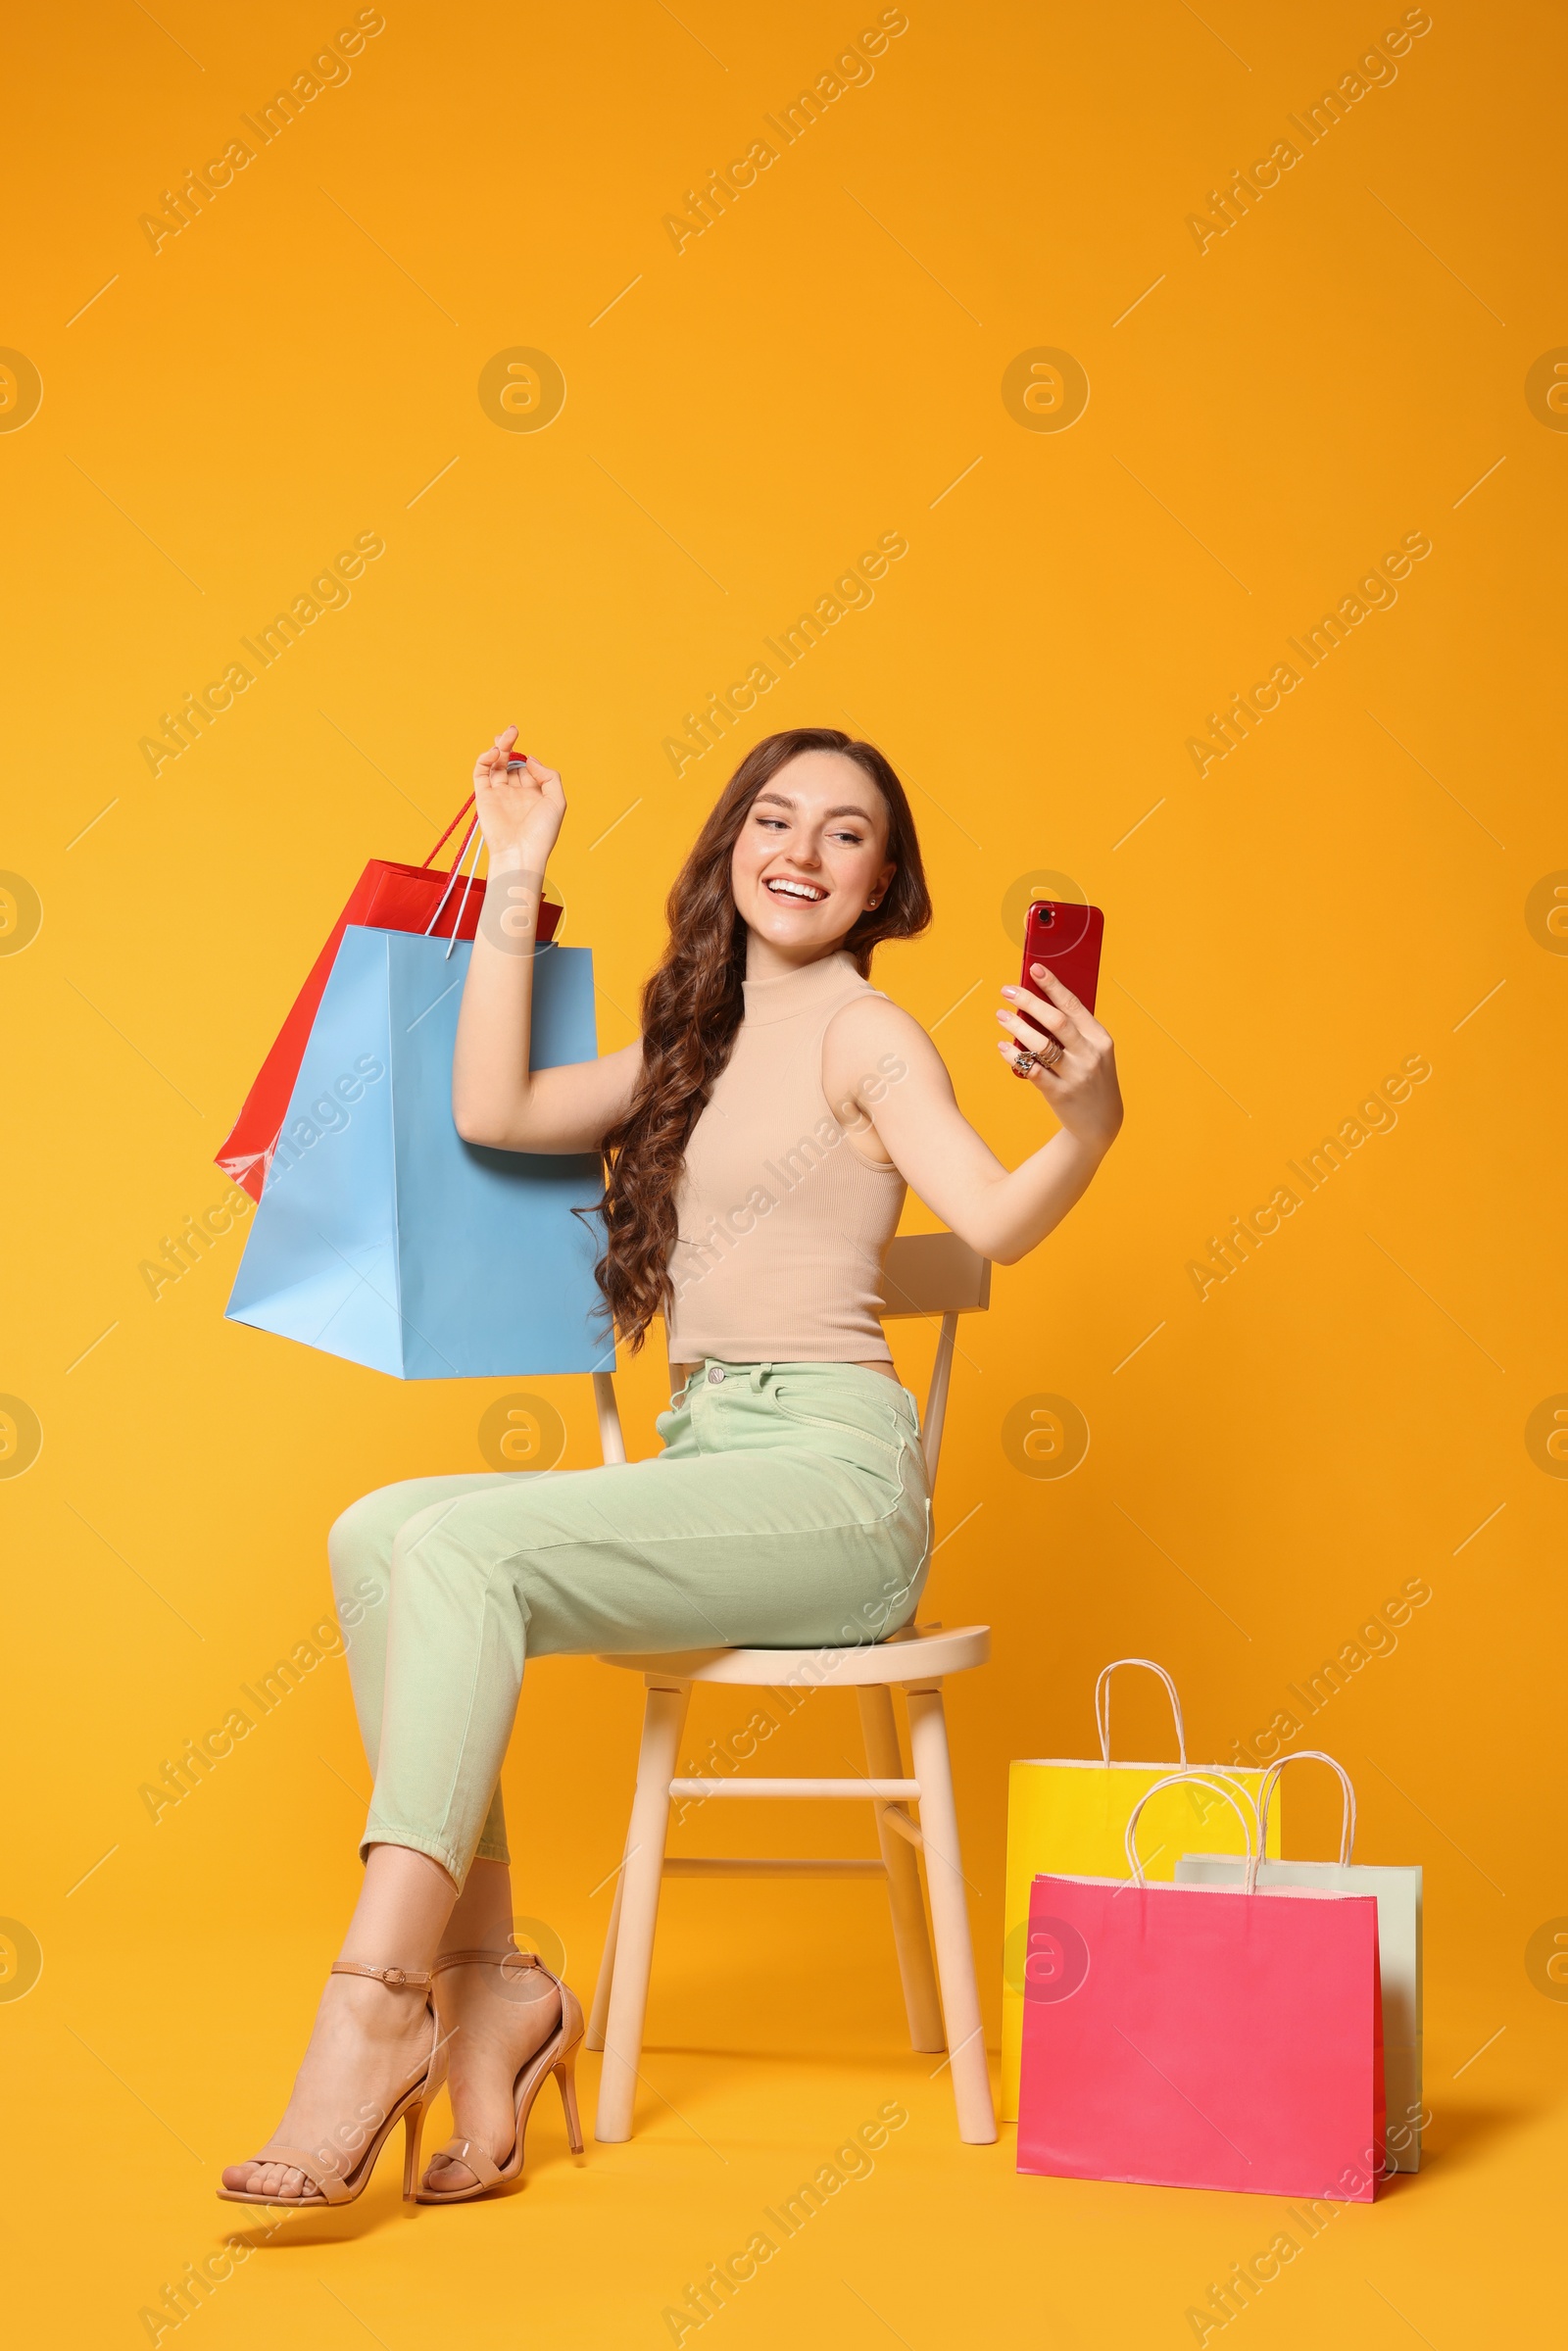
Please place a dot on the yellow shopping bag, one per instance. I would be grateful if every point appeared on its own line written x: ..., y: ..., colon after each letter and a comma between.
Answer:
x: 1068, y: 1817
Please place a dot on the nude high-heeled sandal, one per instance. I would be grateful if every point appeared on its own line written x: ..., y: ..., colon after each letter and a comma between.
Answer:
x: 341, y: 2187
x: 559, y: 2056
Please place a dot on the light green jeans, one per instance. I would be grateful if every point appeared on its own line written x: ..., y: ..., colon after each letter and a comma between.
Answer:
x: 788, y: 1509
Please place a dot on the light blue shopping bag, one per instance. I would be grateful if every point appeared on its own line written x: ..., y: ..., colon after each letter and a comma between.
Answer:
x: 382, y: 1235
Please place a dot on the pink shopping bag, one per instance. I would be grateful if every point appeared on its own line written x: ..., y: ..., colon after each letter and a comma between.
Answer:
x: 1202, y: 2036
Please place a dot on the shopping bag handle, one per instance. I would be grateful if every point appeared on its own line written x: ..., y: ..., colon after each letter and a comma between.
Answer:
x: 474, y: 835
x: 513, y: 756
x: 1103, y: 1705
x: 446, y: 835
x: 1271, y: 1782
x: 1234, y: 1795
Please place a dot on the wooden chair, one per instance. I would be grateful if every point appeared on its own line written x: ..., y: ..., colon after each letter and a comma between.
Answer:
x: 925, y: 1274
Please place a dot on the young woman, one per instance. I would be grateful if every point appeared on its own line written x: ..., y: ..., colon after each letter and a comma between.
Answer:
x: 760, y: 1136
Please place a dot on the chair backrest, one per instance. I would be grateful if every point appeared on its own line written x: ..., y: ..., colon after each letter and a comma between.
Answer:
x: 934, y: 1273
x: 923, y: 1274
x: 927, y: 1274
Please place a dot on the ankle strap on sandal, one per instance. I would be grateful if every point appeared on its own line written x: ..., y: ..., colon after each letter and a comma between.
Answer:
x: 396, y: 1978
x: 510, y: 1957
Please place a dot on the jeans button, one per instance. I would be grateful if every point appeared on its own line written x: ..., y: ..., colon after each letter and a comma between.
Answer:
x: 715, y: 1375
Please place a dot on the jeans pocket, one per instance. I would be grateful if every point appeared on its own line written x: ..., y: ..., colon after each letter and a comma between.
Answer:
x: 851, y: 1420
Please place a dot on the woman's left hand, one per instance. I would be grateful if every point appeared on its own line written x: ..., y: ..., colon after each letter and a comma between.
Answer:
x: 1081, y: 1086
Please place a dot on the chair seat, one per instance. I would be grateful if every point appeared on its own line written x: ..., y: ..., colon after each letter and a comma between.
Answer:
x: 907, y: 1657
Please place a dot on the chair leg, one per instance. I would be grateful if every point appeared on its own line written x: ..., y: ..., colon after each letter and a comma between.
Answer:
x: 949, y: 1916
x: 663, y: 1720
x: 884, y: 1762
x: 594, y: 2037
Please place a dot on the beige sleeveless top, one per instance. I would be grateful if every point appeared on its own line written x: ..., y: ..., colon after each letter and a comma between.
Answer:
x: 782, y: 1226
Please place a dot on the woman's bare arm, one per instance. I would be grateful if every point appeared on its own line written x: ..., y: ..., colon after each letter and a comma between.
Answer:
x: 889, y: 1087
x: 496, y: 1097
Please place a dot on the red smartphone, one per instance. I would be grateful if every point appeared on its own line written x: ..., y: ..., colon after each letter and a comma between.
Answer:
x: 1066, y: 938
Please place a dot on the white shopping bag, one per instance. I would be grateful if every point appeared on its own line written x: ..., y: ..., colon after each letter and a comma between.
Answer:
x: 1398, y: 1899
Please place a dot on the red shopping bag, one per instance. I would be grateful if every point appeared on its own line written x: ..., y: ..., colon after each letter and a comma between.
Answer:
x: 1202, y: 2036
x: 385, y: 897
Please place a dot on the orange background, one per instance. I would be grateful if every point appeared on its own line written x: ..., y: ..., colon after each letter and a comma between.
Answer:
x: 1349, y: 887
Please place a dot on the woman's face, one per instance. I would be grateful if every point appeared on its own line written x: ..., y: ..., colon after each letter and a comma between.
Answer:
x: 811, y: 854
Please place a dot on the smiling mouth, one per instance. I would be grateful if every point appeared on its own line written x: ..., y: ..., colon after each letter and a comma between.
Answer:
x: 804, y: 894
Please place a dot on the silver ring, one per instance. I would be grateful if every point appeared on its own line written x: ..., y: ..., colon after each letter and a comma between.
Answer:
x: 1024, y: 1062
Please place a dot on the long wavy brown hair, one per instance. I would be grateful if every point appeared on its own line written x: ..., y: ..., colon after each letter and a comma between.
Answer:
x: 692, y: 1007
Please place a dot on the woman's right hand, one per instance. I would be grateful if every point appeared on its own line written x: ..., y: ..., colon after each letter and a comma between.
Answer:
x: 521, y: 813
